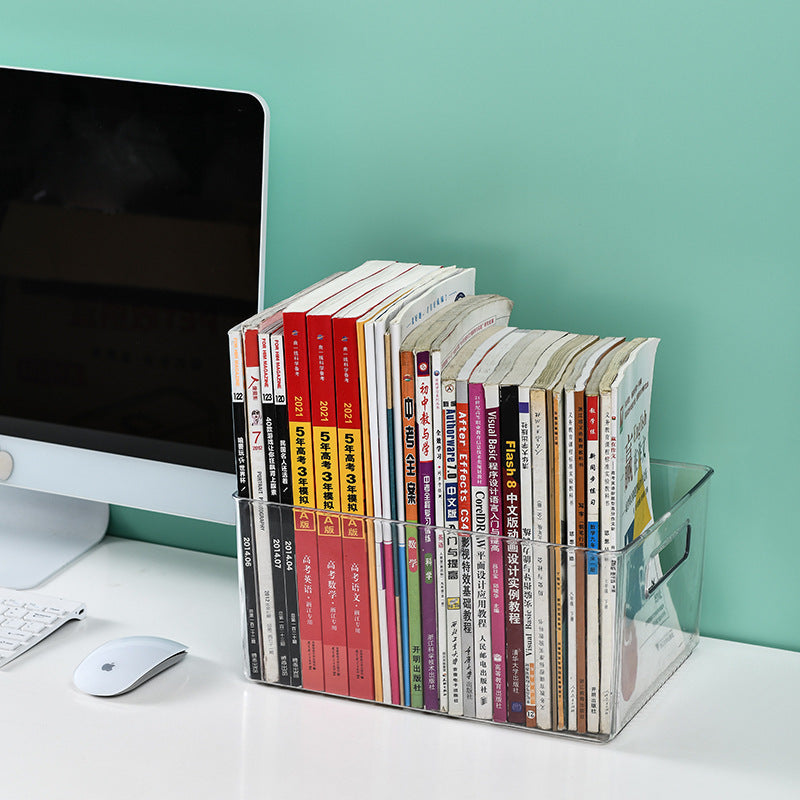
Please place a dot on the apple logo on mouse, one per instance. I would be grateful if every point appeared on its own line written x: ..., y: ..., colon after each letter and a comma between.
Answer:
x: 121, y: 665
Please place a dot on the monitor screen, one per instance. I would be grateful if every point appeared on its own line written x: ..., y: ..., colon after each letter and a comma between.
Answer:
x: 132, y: 220
x: 130, y: 235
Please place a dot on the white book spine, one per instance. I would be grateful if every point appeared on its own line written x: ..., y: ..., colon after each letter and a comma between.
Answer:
x: 258, y: 487
x: 379, y: 329
x: 482, y: 628
x: 608, y: 564
x: 541, y: 556
x: 370, y: 415
x: 455, y: 683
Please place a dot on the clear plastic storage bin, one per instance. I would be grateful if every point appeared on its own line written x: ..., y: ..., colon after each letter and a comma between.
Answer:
x: 562, y: 640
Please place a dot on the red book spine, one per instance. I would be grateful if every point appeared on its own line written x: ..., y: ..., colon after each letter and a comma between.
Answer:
x: 299, y: 413
x: 305, y: 534
x: 334, y: 626
x: 357, y: 608
x: 356, y: 540
x: 347, y: 398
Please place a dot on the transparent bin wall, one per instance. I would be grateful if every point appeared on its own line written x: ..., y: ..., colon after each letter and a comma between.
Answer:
x: 647, y: 623
x: 660, y: 581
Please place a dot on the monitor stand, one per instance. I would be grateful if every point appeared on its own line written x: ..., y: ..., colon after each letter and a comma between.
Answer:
x: 41, y: 533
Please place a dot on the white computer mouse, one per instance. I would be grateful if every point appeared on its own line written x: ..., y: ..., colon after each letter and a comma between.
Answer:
x: 123, y: 664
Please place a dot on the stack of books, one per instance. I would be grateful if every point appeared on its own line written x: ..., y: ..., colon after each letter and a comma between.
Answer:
x: 432, y: 485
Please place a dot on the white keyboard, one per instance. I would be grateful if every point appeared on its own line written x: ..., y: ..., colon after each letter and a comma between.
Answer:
x: 27, y: 618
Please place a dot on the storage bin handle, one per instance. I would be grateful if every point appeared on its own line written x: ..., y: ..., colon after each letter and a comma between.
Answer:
x: 650, y: 588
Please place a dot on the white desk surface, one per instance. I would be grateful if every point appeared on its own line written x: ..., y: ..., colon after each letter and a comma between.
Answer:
x: 725, y: 725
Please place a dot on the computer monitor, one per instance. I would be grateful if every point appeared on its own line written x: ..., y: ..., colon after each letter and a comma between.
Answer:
x: 132, y: 229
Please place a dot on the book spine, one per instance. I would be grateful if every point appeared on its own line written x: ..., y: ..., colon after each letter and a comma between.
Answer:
x: 463, y: 458
x: 358, y: 628
x: 325, y: 457
x: 608, y: 564
x: 453, y: 569
x: 377, y: 587
x: 322, y: 398
x: 580, y: 556
x: 452, y: 555
x: 451, y: 476
x: 332, y: 583
x: 438, y: 506
x: 496, y: 569
x: 245, y: 544
x: 273, y: 513
x: 303, y: 491
x: 392, y: 598
x: 410, y: 504
x: 526, y: 532
x: 384, y: 549
x: 592, y: 564
x: 355, y: 550
x: 571, y: 556
x: 299, y: 408
x: 479, y: 490
x: 310, y: 606
x: 428, y: 595
x: 557, y: 632
x: 283, y: 466
x: 398, y: 531
x: 541, y: 557
x: 511, y: 498
x: 464, y: 516
x: 258, y: 489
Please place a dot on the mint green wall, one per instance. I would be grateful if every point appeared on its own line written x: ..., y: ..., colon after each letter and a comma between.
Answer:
x: 620, y: 167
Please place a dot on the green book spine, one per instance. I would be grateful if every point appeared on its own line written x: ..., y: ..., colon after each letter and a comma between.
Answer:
x: 414, y: 623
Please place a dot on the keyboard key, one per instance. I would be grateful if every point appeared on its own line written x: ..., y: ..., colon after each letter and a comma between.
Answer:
x: 26, y: 618
x: 16, y: 636
x: 36, y: 616
x: 33, y: 627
